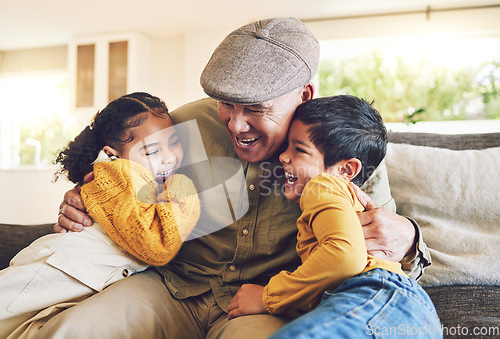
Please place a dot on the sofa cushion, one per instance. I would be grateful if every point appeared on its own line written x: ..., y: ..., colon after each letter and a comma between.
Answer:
x: 16, y: 237
x: 453, y: 195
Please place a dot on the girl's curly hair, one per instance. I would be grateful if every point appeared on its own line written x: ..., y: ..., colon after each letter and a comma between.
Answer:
x: 108, y: 128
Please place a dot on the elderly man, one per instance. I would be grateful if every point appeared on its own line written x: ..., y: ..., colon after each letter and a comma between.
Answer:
x: 258, y: 76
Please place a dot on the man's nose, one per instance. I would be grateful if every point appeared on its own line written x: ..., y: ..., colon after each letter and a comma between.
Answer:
x: 237, y: 121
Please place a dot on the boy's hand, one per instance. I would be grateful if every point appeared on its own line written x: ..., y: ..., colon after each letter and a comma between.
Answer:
x: 72, y: 212
x: 248, y: 300
x: 387, y: 235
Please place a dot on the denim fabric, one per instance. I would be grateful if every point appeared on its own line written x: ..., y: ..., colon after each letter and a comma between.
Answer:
x: 374, y: 304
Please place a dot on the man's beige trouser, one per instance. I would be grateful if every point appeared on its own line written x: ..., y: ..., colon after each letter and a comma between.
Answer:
x: 141, y: 307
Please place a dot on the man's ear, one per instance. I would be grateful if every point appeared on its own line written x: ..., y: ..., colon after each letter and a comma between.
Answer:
x: 308, y: 92
x: 350, y: 168
x: 110, y: 151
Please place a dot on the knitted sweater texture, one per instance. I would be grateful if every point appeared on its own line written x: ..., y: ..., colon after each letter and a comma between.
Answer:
x: 123, y: 198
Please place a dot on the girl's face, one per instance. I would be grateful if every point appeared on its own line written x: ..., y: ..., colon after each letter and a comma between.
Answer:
x: 156, y: 146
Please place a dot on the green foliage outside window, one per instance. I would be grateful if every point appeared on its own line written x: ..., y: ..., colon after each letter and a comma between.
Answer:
x: 36, y: 107
x: 405, y: 92
x: 53, y: 134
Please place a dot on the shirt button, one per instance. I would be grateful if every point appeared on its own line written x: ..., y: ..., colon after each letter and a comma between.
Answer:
x: 125, y: 273
x: 251, y: 187
x: 232, y: 268
x: 245, y: 231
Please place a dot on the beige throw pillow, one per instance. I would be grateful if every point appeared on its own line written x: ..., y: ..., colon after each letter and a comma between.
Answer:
x: 455, y: 198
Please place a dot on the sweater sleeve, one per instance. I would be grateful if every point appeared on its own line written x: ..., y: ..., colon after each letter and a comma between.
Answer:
x: 123, y: 200
x: 330, y: 243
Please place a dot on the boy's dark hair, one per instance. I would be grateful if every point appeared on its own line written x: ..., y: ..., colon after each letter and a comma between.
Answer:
x: 344, y: 127
x: 108, y: 128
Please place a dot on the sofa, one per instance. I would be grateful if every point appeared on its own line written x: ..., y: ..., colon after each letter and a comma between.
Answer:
x: 448, y: 184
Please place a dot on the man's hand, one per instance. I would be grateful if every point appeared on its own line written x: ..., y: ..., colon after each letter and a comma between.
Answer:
x: 387, y: 235
x: 248, y: 300
x: 72, y: 212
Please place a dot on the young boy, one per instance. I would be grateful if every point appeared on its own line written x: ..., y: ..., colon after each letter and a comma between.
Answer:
x: 331, y: 142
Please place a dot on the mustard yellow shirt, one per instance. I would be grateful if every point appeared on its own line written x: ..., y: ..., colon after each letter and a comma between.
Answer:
x: 330, y: 244
x: 151, y: 225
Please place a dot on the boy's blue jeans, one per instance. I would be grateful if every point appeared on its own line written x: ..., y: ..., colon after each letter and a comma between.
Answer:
x: 373, y: 304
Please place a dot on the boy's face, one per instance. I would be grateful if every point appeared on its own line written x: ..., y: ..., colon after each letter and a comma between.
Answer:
x: 301, y: 161
x: 156, y: 146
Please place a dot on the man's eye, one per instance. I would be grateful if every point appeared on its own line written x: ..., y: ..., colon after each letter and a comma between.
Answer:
x: 254, y: 111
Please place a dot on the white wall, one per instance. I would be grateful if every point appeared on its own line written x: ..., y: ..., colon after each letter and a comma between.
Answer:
x: 30, y: 197
x: 473, y: 21
x: 167, y: 64
x: 177, y: 63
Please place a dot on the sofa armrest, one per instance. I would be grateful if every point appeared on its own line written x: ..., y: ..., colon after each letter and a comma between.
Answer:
x: 16, y: 237
x: 467, y: 306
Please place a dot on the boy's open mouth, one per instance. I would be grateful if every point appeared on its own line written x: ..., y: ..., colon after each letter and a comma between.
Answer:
x: 290, y: 178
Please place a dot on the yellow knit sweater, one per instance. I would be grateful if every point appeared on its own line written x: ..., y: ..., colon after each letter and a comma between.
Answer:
x: 123, y: 199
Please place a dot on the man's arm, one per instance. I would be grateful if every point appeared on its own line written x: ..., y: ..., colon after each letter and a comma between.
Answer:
x: 387, y: 235
x: 418, y: 258
x: 393, y: 237
x: 72, y: 213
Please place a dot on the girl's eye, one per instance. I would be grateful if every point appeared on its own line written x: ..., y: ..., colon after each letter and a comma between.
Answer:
x: 148, y: 153
x: 175, y: 143
x: 300, y: 150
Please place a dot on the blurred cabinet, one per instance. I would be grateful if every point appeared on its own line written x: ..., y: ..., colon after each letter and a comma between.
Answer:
x: 85, y: 65
x: 117, y: 69
x: 106, y: 66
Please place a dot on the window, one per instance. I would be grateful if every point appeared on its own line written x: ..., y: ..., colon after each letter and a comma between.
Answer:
x: 417, y: 78
x: 34, y: 118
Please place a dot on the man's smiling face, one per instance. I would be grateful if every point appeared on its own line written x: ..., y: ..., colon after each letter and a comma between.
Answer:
x: 258, y: 131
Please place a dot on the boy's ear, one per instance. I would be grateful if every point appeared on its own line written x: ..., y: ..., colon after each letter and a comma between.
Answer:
x: 110, y: 151
x: 350, y: 168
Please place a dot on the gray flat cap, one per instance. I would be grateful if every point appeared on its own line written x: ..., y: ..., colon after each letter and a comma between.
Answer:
x: 261, y: 61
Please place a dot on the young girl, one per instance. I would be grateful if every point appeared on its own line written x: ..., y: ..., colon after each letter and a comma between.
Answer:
x: 143, y: 211
x: 331, y: 142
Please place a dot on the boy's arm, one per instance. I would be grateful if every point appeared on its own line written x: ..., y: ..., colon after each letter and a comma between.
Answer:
x: 122, y: 199
x: 340, y: 253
